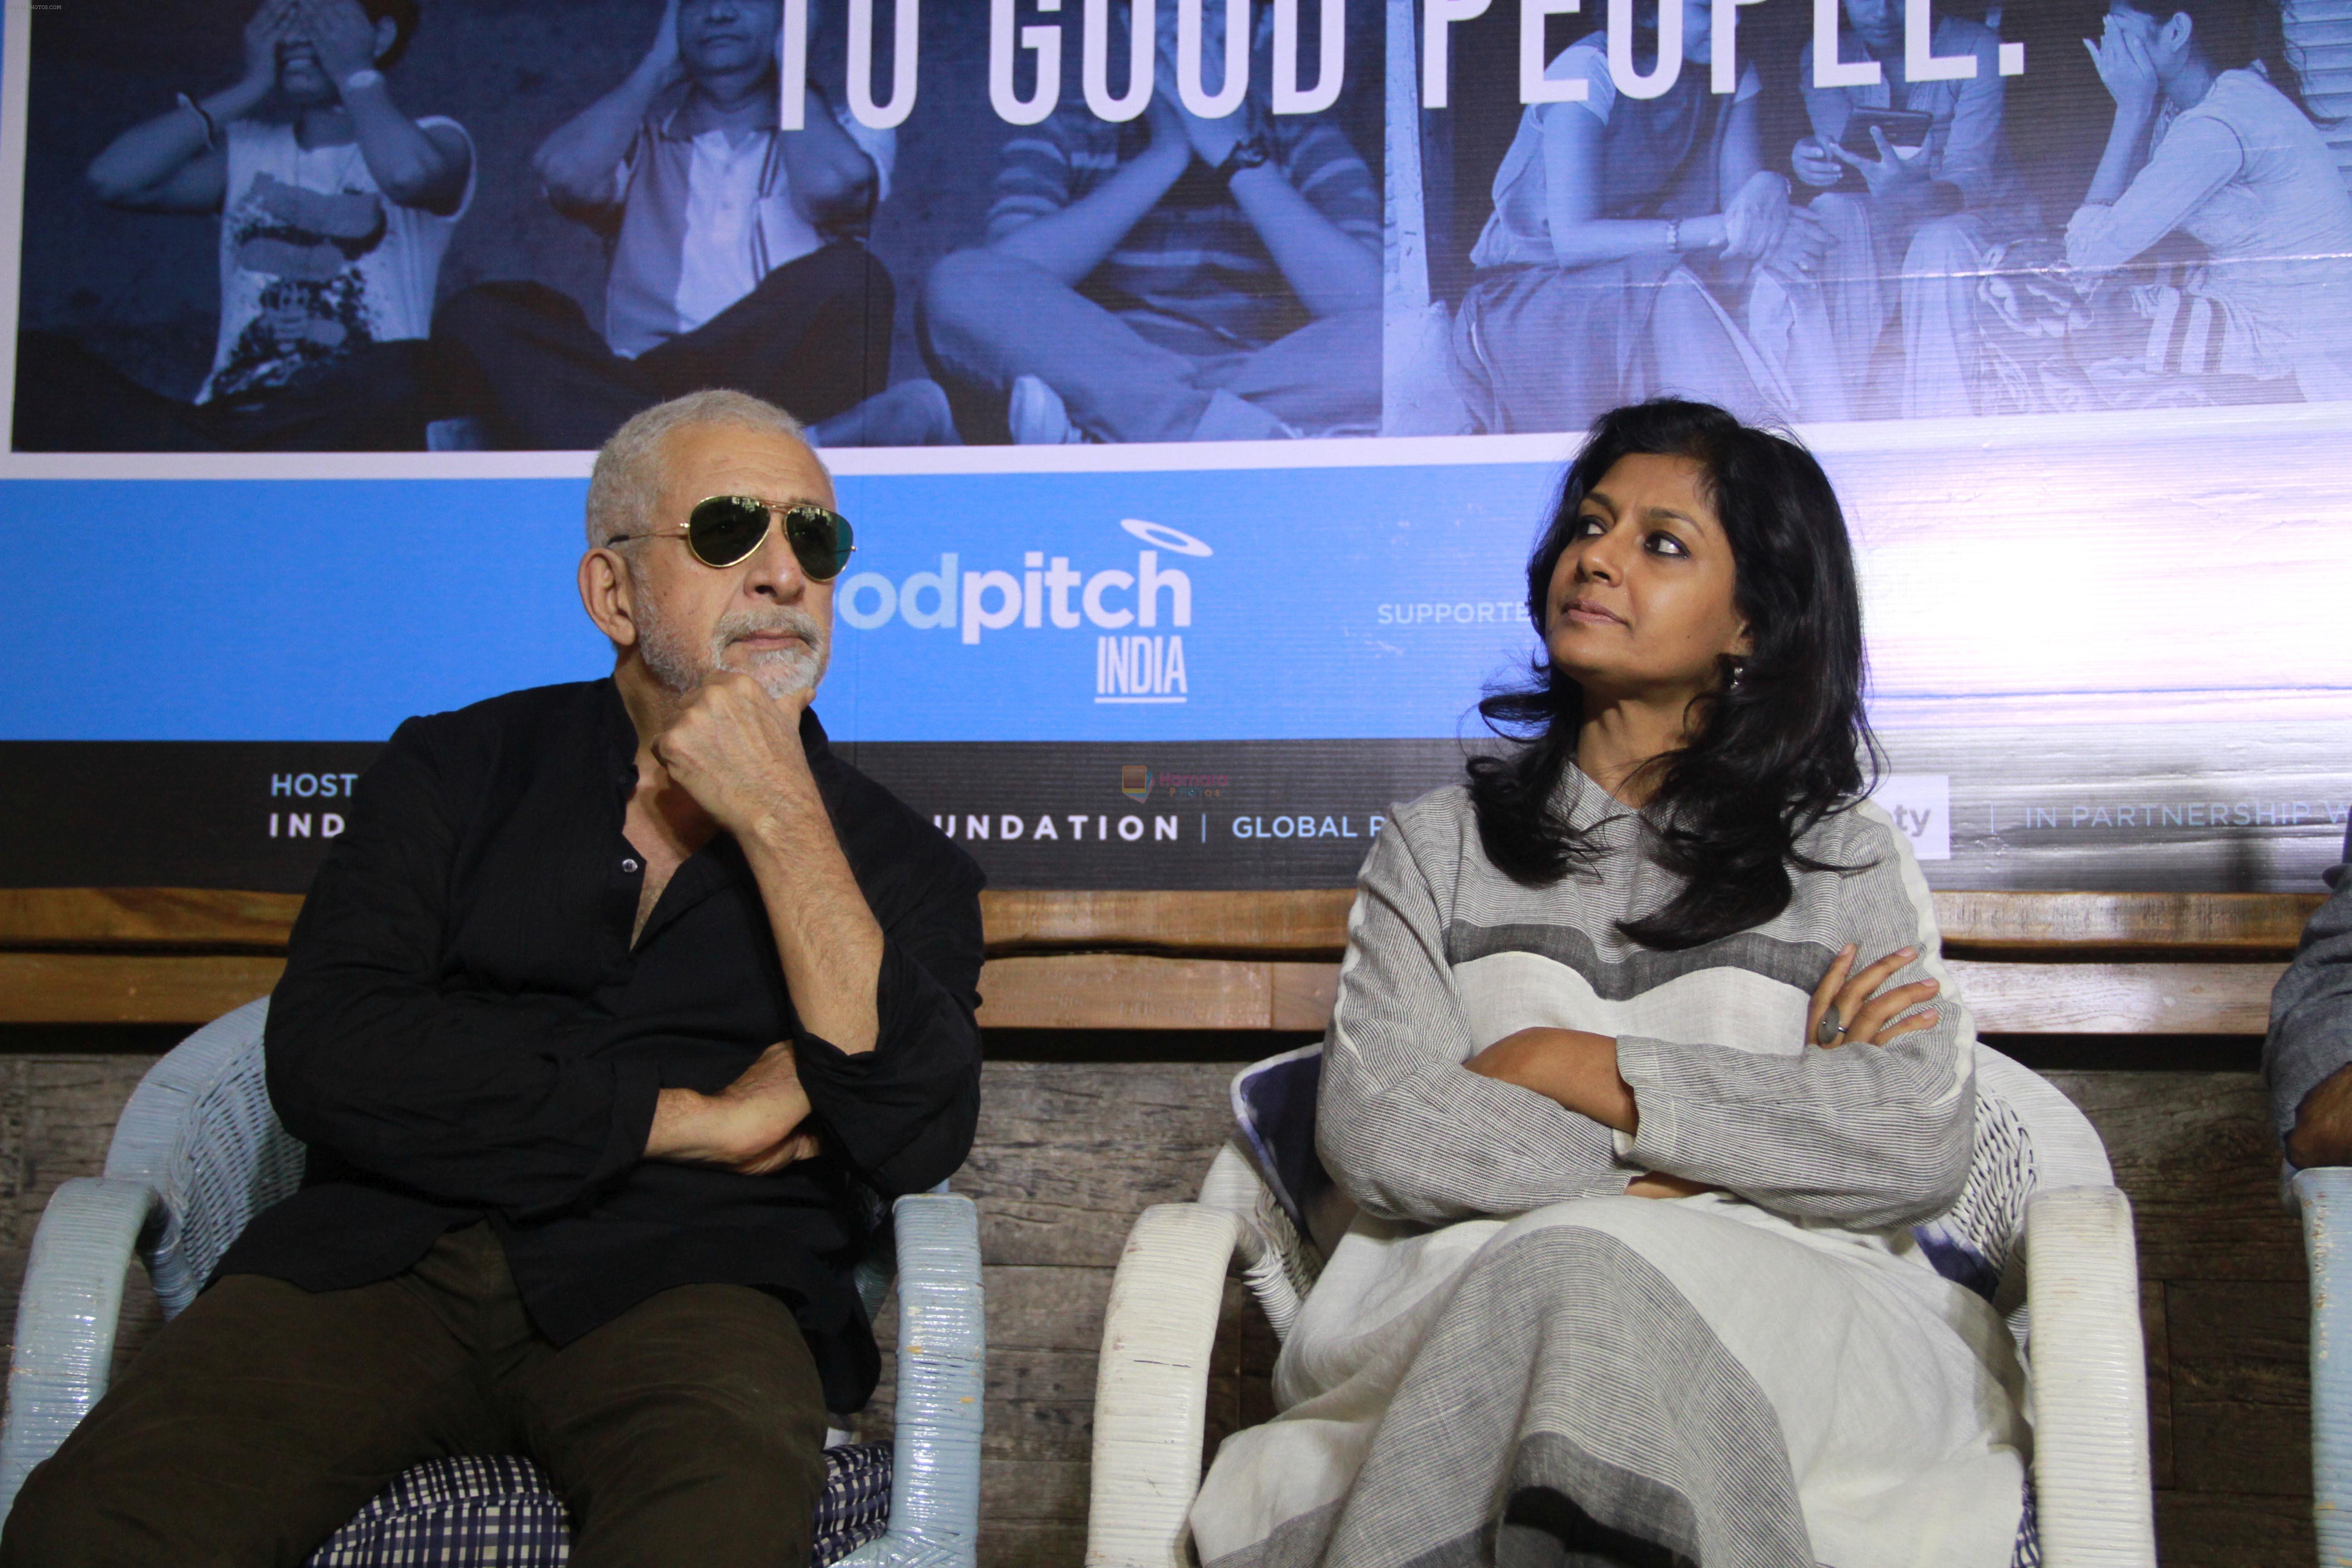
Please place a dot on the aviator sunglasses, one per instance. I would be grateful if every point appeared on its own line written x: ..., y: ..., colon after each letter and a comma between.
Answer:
x: 723, y: 531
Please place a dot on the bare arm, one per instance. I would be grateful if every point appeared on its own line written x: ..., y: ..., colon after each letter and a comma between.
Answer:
x: 1743, y: 147
x: 1072, y: 241
x: 1755, y: 222
x: 416, y: 167
x: 426, y: 167
x: 1580, y: 235
x: 755, y: 1125
x: 2198, y: 157
x: 1574, y: 1067
x: 166, y: 165
x: 826, y: 934
x: 1824, y: 1162
x: 2126, y: 150
x: 738, y: 752
x: 1578, y: 1068
x: 1400, y: 1125
x: 577, y: 162
x: 163, y: 165
x: 832, y: 180
x: 2128, y: 73
x: 1327, y: 269
x: 1330, y: 271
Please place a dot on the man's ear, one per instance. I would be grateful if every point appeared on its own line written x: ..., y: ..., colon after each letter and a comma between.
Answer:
x: 608, y: 594
x: 2178, y: 34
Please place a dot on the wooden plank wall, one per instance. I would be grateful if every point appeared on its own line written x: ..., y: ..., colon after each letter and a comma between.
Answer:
x: 1071, y: 1150
x: 1069, y: 1153
x: 2041, y: 963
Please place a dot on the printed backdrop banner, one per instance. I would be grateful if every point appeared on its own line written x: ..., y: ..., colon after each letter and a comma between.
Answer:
x: 1187, y: 535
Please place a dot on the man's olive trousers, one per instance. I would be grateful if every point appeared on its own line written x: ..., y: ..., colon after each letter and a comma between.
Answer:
x: 688, y: 1433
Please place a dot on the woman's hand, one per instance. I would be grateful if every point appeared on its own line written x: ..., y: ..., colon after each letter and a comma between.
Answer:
x: 1575, y: 1067
x: 2126, y: 68
x: 1862, y: 1018
x: 1755, y: 219
x: 1658, y: 1185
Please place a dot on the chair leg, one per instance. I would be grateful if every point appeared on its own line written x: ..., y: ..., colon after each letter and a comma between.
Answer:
x: 66, y: 1318
x: 2325, y: 1197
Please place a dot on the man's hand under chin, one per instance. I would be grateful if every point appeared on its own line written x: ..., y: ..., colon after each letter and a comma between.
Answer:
x: 737, y: 751
x: 755, y: 1126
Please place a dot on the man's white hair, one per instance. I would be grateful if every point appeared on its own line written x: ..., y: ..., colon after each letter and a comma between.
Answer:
x: 632, y: 470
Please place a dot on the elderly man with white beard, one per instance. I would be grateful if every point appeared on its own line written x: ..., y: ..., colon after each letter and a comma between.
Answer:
x: 606, y: 1022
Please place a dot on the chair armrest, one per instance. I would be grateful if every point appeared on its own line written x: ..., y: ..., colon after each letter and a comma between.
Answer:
x: 2091, y: 1466
x: 1151, y: 1386
x: 942, y: 1364
x: 66, y: 1317
x: 2323, y: 1193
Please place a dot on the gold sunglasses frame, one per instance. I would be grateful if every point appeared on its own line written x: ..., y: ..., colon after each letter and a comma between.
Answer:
x: 777, y: 511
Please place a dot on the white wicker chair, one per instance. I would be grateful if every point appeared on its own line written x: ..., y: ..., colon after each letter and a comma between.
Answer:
x: 198, y: 1153
x: 2323, y: 1194
x: 2073, y: 1268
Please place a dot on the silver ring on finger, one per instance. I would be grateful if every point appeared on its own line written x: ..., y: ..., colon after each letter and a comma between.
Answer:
x: 1827, y: 1031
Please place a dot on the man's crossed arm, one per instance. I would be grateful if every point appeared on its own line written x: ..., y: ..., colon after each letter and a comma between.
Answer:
x: 512, y: 1104
x: 737, y: 751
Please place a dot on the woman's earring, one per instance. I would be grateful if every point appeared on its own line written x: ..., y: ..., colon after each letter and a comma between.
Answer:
x: 1739, y: 672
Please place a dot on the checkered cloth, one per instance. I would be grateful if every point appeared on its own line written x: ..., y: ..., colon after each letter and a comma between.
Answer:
x: 855, y: 1507
x: 500, y: 1513
x: 2028, y: 1554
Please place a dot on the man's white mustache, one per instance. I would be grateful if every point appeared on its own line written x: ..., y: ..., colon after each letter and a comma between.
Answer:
x: 743, y: 624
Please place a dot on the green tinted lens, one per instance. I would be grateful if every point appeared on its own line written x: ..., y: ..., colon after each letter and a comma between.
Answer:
x: 725, y: 528
x: 821, y: 539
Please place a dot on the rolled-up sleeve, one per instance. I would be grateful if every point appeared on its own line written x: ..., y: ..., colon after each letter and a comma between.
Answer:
x: 493, y: 1101
x: 1407, y: 1131
x: 904, y: 1113
x: 1872, y: 1137
x: 2310, y: 1038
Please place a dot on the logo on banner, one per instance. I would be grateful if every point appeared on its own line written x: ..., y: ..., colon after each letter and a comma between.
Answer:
x: 1145, y: 665
x: 1135, y: 783
x: 1921, y: 806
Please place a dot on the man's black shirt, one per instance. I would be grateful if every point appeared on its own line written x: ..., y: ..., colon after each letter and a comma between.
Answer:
x: 464, y: 1030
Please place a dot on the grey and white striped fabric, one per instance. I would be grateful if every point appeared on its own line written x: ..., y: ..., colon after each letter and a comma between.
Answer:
x: 1447, y: 955
x: 1508, y: 1360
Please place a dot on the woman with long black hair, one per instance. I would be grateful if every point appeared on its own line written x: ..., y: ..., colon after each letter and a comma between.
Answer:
x: 1643, y: 1068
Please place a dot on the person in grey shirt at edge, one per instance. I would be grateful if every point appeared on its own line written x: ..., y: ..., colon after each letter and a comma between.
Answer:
x: 2307, y: 1058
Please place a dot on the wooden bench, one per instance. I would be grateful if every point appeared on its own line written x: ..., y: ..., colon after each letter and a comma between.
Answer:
x: 2029, y: 963
x: 1116, y: 1018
